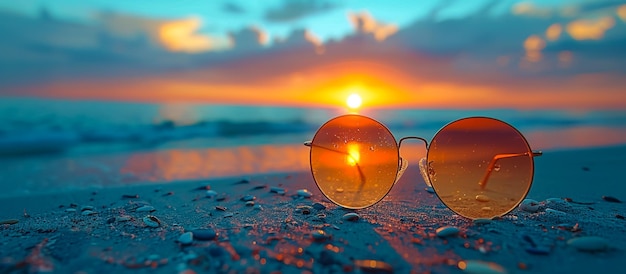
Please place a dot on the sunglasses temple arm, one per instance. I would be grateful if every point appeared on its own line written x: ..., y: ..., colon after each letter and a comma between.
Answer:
x: 356, y: 162
x: 494, y: 160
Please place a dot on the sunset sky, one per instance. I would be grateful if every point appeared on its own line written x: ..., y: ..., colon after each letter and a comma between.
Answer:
x: 563, y: 54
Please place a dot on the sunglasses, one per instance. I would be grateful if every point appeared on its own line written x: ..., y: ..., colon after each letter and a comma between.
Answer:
x: 479, y: 167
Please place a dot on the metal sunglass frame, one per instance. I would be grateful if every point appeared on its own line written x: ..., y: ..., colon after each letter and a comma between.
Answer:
x: 403, y: 164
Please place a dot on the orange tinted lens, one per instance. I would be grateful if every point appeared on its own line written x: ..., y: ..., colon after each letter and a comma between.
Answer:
x: 480, y: 167
x: 354, y: 160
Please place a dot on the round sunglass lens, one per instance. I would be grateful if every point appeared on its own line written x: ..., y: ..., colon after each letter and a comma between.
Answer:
x: 480, y: 167
x: 354, y: 160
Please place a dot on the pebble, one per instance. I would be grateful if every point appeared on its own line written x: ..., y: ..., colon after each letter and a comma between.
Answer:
x: 88, y: 212
x: 211, y: 193
x: 589, y: 243
x: 250, y: 203
x: 611, y: 199
x: 9, y: 222
x: 304, y: 193
x: 123, y: 218
x: 482, y: 198
x: 529, y: 205
x: 151, y: 221
x: 318, y: 206
x: 480, y: 267
x: 304, y: 209
x: 70, y: 210
x: 482, y: 221
x: 186, y: 238
x: 145, y: 208
x: 447, y: 231
x: 319, y: 235
x: 353, y: 217
x: 83, y: 208
x: 206, y: 234
x: 277, y: 190
x: 258, y: 207
x: 248, y: 198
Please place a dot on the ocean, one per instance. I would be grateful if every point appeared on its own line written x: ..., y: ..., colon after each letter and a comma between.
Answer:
x: 51, y: 145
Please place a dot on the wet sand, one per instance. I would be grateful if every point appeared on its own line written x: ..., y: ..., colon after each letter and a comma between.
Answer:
x: 288, y: 233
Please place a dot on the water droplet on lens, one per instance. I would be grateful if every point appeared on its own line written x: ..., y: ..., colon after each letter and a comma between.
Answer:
x: 335, y: 145
x: 372, y: 148
x: 496, y: 168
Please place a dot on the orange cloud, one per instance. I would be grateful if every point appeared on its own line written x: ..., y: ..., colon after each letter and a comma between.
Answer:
x: 364, y: 23
x: 553, y: 32
x: 590, y: 29
x: 533, y: 46
x: 181, y: 36
x: 529, y: 9
x: 621, y: 12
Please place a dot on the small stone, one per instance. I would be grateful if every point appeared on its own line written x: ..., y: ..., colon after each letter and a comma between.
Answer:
x: 482, y: 221
x: 211, y: 193
x: 250, y: 203
x: 353, y: 217
x: 277, y: 190
x: 87, y: 212
x: 589, y: 243
x: 319, y: 235
x: 480, y: 267
x: 304, y: 209
x: 482, y: 198
x: 83, y: 208
x: 186, y: 238
x: 70, y: 210
x: 258, y: 207
x: 430, y: 190
x: 123, y: 218
x: 318, y: 206
x: 9, y: 222
x: 529, y: 205
x: 611, y: 199
x: 221, y: 208
x: 304, y: 193
x: 130, y: 196
x: 248, y: 198
x: 151, y: 221
x: 447, y: 231
x: 145, y: 208
x: 206, y: 234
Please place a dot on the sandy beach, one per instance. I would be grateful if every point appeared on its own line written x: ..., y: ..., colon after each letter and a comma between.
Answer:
x: 248, y: 225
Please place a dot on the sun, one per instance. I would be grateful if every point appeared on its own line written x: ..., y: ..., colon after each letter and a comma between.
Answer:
x: 354, y: 101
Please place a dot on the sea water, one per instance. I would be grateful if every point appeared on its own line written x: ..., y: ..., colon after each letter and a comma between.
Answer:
x: 58, y: 145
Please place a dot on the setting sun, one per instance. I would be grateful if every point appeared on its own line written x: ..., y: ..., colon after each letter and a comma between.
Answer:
x: 354, y: 101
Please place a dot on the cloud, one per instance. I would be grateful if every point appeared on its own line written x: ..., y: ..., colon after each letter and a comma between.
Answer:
x: 292, y: 10
x: 364, y: 23
x: 586, y: 29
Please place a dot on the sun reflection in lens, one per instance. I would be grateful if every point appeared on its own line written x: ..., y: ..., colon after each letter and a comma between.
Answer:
x: 354, y: 101
x: 353, y: 156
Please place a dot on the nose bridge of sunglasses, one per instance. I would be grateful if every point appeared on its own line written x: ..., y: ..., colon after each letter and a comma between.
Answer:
x: 412, y: 152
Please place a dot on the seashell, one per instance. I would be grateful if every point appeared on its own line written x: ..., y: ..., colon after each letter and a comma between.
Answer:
x: 88, y: 212
x: 589, y: 243
x: 480, y: 267
x: 353, y: 217
x: 151, y: 221
x: 529, y: 205
x: 447, y: 231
